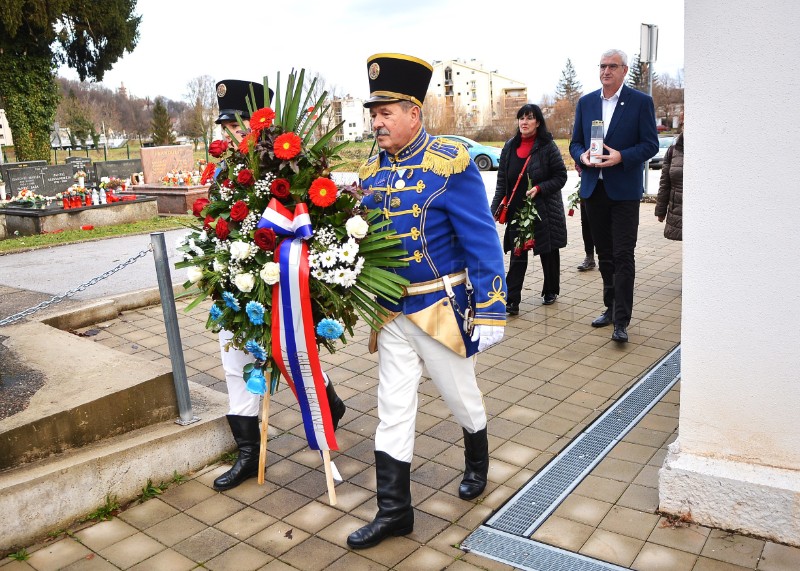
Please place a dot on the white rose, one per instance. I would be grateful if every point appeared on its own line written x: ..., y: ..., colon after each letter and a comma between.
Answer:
x: 356, y: 227
x: 240, y: 250
x: 245, y: 282
x: 194, y: 274
x: 270, y: 273
x: 219, y: 267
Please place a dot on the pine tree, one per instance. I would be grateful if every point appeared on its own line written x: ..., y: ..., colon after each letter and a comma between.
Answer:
x: 162, y: 124
x: 637, y: 74
x: 569, y: 87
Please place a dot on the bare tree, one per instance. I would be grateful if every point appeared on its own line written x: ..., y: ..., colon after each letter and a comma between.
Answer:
x: 198, y: 119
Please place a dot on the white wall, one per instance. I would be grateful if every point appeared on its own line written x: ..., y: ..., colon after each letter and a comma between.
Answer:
x: 740, y: 388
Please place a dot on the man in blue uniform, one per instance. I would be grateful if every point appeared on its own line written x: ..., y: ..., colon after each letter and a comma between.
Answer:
x: 435, y: 199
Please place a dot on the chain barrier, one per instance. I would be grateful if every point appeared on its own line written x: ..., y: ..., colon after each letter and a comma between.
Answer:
x: 59, y: 298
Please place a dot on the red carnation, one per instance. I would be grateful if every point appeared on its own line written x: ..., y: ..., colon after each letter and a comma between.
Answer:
x: 265, y: 239
x: 216, y: 148
x: 239, y: 210
x: 280, y: 188
x: 199, y: 204
x: 245, y: 177
x: 208, y: 173
x: 207, y: 222
x: 222, y: 229
x: 287, y: 146
x: 322, y: 192
x: 262, y: 119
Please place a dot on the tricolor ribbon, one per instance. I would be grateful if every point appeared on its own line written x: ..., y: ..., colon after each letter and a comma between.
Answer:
x: 294, y: 341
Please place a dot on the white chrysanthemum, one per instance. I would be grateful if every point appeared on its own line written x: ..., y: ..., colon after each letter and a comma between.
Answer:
x: 270, y: 273
x: 359, y: 265
x: 240, y: 250
x: 203, y: 237
x: 194, y: 274
x: 345, y: 277
x: 356, y: 227
x: 328, y: 259
x: 348, y: 251
x: 219, y: 267
x: 245, y: 282
x: 317, y: 273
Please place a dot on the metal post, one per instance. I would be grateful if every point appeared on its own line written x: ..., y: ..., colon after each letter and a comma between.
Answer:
x: 173, y: 333
x: 648, y: 51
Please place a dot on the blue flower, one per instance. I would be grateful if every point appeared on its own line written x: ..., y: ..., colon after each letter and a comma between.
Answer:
x: 230, y: 300
x: 255, y: 311
x: 256, y: 350
x: 330, y: 329
x: 256, y: 383
x: 216, y: 313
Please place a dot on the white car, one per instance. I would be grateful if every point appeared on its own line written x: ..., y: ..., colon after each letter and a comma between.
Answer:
x: 664, y: 143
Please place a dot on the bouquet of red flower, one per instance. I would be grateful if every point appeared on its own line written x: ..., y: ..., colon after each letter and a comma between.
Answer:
x: 288, y: 256
x: 524, y: 221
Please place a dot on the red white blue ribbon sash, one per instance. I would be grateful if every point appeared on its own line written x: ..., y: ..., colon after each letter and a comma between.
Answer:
x: 294, y: 345
x: 283, y: 222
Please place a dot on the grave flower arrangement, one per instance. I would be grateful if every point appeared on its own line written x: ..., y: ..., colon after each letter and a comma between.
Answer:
x: 27, y: 199
x: 290, y: 258
x: 79, y: 175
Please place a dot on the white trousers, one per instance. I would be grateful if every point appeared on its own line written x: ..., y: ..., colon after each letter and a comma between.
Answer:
x: 241, y: 401
x: 403, y: 349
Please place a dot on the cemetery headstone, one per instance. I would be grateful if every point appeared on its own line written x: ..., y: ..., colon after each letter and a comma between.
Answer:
x: 158, y: 161
x: 45, y: 180
x: 119, y: 169
x: 5, y: 167
x: 83, y: 164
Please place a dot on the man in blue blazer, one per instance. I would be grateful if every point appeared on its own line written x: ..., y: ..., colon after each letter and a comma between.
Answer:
x: 612, y: 182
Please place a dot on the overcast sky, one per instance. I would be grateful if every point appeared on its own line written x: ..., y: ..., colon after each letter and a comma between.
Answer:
x: 525, y: 40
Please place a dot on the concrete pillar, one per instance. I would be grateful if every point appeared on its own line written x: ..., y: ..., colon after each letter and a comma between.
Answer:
x: 736, y: 463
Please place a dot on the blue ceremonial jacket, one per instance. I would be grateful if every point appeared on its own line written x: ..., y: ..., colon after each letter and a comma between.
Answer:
x: 632, y: 132
x: 434, y: 196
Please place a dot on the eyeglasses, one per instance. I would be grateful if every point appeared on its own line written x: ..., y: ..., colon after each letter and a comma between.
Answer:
x: 611, y: 66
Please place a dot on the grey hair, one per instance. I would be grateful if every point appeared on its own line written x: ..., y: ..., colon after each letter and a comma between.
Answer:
x: 408, y: 105
x: 616, y: 52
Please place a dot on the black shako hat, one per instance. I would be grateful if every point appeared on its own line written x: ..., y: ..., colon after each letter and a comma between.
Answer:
x: 397, y: 77
x: 232, y: 97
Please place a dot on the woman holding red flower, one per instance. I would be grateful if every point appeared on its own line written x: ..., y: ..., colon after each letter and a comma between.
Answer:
x: 532, y: 148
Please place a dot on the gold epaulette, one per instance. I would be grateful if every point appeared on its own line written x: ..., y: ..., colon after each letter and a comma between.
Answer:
x: 369, y: 168
x: 445, y: 157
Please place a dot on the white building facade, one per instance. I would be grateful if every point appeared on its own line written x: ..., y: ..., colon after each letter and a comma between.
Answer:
x: 5, y: 132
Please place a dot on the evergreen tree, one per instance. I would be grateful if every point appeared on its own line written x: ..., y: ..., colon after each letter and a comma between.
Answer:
x: 569, y: 87
x: 637, y: 74
x: 162, y: 124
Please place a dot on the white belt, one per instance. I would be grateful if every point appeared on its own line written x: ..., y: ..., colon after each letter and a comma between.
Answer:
x: 435, y: 285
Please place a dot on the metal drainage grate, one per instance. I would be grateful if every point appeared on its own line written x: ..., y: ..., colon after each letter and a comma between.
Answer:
x: 530, y: 555
x: 506, y: 537
x: 528, y: 509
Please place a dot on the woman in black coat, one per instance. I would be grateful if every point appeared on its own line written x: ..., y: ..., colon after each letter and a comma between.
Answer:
x: 543, y: 179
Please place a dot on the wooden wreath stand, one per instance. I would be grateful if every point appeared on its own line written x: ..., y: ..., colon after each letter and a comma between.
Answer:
x: 262, y: 455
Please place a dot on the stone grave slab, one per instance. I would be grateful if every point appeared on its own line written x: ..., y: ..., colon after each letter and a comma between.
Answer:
x: 83, y: 164
x: 119, y: 169
x: 45, y: 180
x: 5, y: 167
x: 158, y: 161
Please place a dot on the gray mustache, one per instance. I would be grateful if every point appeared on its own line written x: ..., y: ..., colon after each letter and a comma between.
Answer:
x: 382, y: 132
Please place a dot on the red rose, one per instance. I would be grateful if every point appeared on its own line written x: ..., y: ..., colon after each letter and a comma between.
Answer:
x: 207, y: 222
x: 227, y: 183
x: 222, y: 229
x: 198, y: 206
x: 245, y: 177
x: 529, y: 245
x: 518, y: 252
x: 571, y: 212
x: 239, y: 211
x: 280, y: 188
x: 216, y: 148
x: 265, y: 239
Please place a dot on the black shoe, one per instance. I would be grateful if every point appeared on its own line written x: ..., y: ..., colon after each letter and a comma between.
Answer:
x: 512, y: 309
x: 587, y: 264
x: 248, y: 439
x: 620, y: 334
x: 604, y: 319
x: 476, y: 464
x: 395, y: 514
x: 549, y: 299
x: 338, y: 407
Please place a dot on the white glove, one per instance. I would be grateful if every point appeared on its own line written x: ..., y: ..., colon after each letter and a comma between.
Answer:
x: 487, y: 335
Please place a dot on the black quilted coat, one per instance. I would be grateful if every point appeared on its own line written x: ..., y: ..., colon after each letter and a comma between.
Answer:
x: 546, y: 169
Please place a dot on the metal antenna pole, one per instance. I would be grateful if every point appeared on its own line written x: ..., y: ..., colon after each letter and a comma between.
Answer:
x: 173, y: 332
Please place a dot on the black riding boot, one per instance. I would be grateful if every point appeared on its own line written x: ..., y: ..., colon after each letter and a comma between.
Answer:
x: 248, y: 439
x: 476, y: 460
x: 395, y: 514
x: 337, y: 405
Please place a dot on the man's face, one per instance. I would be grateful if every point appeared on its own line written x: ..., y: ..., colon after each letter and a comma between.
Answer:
x: 236, y: 129
x: 394, y: 126
x: 613, y: 74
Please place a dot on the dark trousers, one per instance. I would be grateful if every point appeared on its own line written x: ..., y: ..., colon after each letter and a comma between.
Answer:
x: 615, y: 226
x: 518, y: 265
x: 586, y: 231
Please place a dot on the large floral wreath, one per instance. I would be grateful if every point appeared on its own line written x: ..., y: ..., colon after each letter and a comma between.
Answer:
x: 273, y: 194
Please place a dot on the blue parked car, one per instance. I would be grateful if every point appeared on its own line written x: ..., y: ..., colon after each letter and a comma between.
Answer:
x: 486, y: 158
